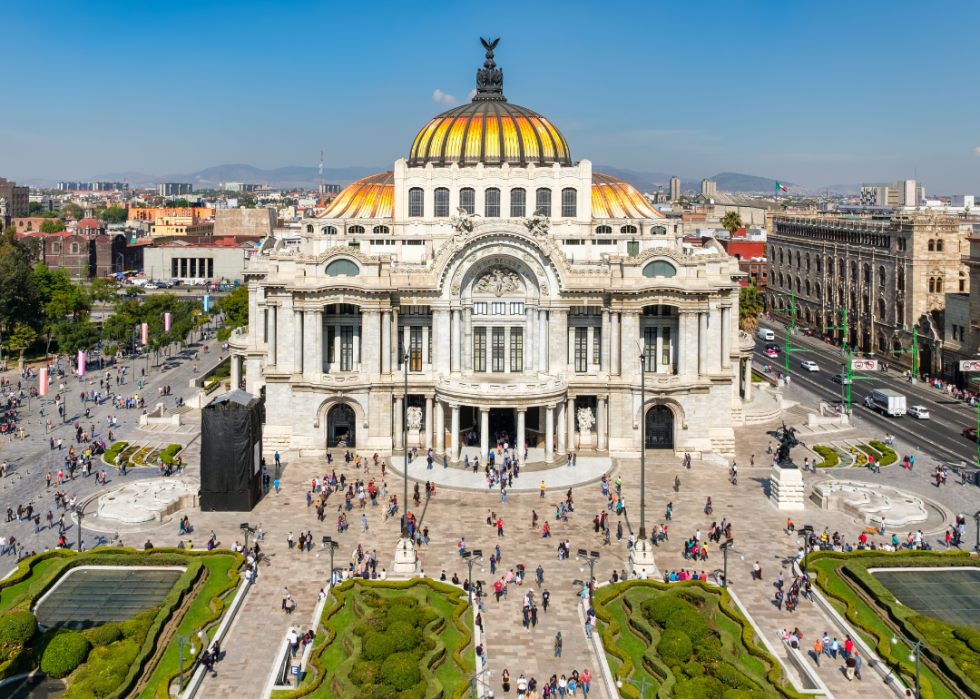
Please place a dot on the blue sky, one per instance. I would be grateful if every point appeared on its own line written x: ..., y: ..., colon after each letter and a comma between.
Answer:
x: 810, y: 93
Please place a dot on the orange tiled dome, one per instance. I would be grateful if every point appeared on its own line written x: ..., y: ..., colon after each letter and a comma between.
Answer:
x: 372, y: 197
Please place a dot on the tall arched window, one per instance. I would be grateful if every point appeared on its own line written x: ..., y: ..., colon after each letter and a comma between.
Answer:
x: 442, y: 202
x: 830, y: 266
x: 899, y: 313
x: 797, y: 285
x: 518, y: 203
x: 939, y: 285
x: 807, y: 287
x: 881, y: 276
x: 416, y: 199
x: 900, y: 280
x: 808, y: 263
x: 569, y: 203
x: 780, y: 256
x: 467, y: 200
x: 542, y: 201
x: 939, y: 245
x: 932, y: 285
x: 865, y: 303
x: 797, y: 259
x: 932, y: 246
x: 867, y: 273
x: 962, y: 282
x: 881, y: 309
x: 780, y: 279
x: 854, y: 272
x: 491, y: 203
x: 819, y: 262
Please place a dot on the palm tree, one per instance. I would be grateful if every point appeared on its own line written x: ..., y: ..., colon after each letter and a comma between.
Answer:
x: 749, y: 308
x: 732, y: 221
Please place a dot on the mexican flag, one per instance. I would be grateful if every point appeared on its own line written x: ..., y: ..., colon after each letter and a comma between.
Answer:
x: 780, y: 188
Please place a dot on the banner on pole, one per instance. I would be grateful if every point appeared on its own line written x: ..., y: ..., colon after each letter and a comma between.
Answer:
x: 864, y: 364
x: 146, y: 333
x: 207, y: 304
x: 969, y: 365
x: 81, y: 362
x: 42, y: 386
x: 166, y: 322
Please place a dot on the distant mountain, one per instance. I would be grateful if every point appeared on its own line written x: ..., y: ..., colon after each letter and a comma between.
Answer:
x: 750, y: 184
x: 290, y: 176
x: 643, y: 181
x: 841, y: 188
x: 732, y: 182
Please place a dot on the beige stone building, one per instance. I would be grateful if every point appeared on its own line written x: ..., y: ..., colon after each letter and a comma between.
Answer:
x: 512, y: 288
x: 962, y: 337
x: 890, y: 273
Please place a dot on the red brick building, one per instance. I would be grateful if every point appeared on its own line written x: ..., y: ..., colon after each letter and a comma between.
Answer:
x: 83, y: 255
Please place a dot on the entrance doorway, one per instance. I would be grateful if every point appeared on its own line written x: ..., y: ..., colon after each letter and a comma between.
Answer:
x: 341, y: 427
x: 502, y: 420
x: 660, y: 428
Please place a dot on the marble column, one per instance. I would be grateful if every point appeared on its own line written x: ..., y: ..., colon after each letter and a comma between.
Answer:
x: 428, y: 422
x: 386, y: 342
x: 562, y: 408
x: 543, y: 340
x: 557, y: 337
x: 614, y: 345
x: 570, y: 350
x: 702, y: 343
x: 397, y: 422
x: 682, y: 339
x: 604, y: 343
x: 529, y: 341
x: 747, y: 374
x: 395, y: 359
x: 468, y: 339
x: 426, y: 359
x: 406, y: 346
x: 356, y: 348
x: 236, y: 371
x: 484, y: 433
x: 457, y: 343
x: 726, y: 337
x: 273, y: 344
x: 314, y: 335
x: 570, y: 410
x: 371, y: 335
x: 600, y: 423
x: 520, y: 437
x: 297, y: 341
x: 454, y: 434
x: 440, y: 428
x: 549, y: 435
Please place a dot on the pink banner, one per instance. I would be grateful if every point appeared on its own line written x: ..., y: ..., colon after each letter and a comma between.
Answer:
x: 166, y: 322
x: 81, y: 362
x: 43, y: 382
x: 146, y: 334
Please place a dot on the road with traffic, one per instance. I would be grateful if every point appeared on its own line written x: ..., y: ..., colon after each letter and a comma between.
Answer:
x: 941, y: 434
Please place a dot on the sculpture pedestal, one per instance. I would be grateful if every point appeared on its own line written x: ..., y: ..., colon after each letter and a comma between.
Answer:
x: 405, y: 563
x: 641, y: 560
x: 786, y: 488
x: 414, y: 439
x: 586, y: 441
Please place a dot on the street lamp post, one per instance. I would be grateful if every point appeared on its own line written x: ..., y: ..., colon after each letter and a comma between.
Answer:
x: 330, y: 544
x: 188, y: 639
x: 590, y: 557
x: 470, y: 558
x: 405, y: 444
x: 473, y: 683
x: 78, y: 519
x: 727, y: 546
x: 643, y: 447
x: 246, y: 530
x: 807, y: 533
x: 976, y: 518
x: 917, y: 651
x: 642, y: 683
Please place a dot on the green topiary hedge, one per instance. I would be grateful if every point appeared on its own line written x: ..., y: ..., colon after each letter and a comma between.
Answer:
x: 401, y: 671
x: 103, y: 635
x: 690, y: 622
x: 830, y: 458
x: 699, y: 688
x: 17, y: 628
x: 65, y: 652
x: 675, y: 647
x: 659, y: 609
x: 888, y: 455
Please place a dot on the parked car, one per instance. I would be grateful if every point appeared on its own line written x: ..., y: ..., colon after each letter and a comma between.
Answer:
x: 150, y: 287
x: 841, y: 379
x: 809, y: 366
x: 970, y: 433
x: 919, y: 411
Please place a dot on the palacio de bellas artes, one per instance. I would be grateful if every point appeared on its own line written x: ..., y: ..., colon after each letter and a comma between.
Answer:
x: 514, y: 289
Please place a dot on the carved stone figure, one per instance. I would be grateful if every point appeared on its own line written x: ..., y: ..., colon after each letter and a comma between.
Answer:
x: 538, y: 224
x: 463, y: 223
x: 787, y: 440
x: 585, y: 420
x: 414, y: 417
x: 498, y: 282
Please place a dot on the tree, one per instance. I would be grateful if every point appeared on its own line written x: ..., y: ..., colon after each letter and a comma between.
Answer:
x: 72, y: 210
x: 103, y: 290
x: 34, y: 207
x: 115, y: 214
x: 74, y: 335
x: 749, y: 308
x: 732, y: 221
x: 19, y: 300
x: 54, y: 225
x: 22, y: 338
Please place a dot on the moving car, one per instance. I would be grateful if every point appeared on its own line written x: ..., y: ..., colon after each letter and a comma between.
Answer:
x: 809, y: 366
x: 970, y: 433
x: 841, y: 379
x: 772, y: 346
x: 150, y: 286
x: 771, y: 353
x: 919, y: 411
x: 761, y: 333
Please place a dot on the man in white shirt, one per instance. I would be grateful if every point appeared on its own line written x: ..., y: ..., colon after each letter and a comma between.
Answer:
x: 293, y: 641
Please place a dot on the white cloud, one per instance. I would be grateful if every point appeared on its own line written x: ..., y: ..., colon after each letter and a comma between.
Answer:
x: 473, y: 94
x: 977, y: 151
x: 442, y: 98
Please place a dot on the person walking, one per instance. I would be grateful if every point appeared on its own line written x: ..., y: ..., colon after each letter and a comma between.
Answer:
x: 857, y: 665
x: 817, y: 650
x: 558, y: 649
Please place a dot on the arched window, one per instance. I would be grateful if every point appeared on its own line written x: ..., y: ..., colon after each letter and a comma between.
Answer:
x: 491, y: 203
x: 865, y: 303
x: 962, y: 282
x: 932, y: 285
x: 780, y: 256
x: 603, y: 229
x: 355, y: 229
x: 819, y: 262
x: 381, y: 230
x: 900, y: 280
x: 841, y: 267
x: 797, y: 259
x: 328, y: 230
x: 342, y: 268
x: 854, y: 300
x: 830, y: 266
x: 659, y: 268
x: 467, y: 200
x: 881, y: 276
x: 881, y: 309
x: 932, y: 246
x: 569, y: 202
x: 939, y: 246
x: 797, y: 285
x: 416, y: 202
x: 658, y: 230
x: 628, y: 230
x: 807, y: 287
x: 867, y: 273
x: 939, y: 285
x: 542, y: 201
x: 518, y: 203
x: 780, y: 279
x: 808, y: 263
x: 442, y: 202
x: 854, y: 272
x: 899, y: 313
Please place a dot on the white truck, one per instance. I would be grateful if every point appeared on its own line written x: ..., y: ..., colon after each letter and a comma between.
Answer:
x: 887, y: 402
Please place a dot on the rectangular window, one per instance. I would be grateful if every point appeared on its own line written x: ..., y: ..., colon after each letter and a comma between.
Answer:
x: 649, y: 349
x: 517, y: 349
x: 183, y: 267
x: 194, y: 267
x: 518, y: 203
x: 415, y: 353
x: 331, y: 353
x: 265, y: 325
x: 581, y: 349
x: 347, y: 348
x: 442, y: 202
x: 517, y: 308
x: 543, y: 201
x: 498, y: 308
x: 356, y: 245
x: 480, y: 308
x: 665, y: 354
x: 499, y: 349
x: 633, y: 248
x: 173, y: 267
x: 479, y: 349
x: 492, y: 203
x: 467, y: 200
x: 596, y: 345
x: 210, y: 268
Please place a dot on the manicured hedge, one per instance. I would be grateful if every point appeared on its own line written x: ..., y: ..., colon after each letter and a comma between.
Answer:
x: 888, y: 455
x: 64, y: 653
x: 112, y: 452
x: 17, y: 628
x: 830, y: 458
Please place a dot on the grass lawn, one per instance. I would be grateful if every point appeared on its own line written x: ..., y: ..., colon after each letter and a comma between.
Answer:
x: 9, y: 594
